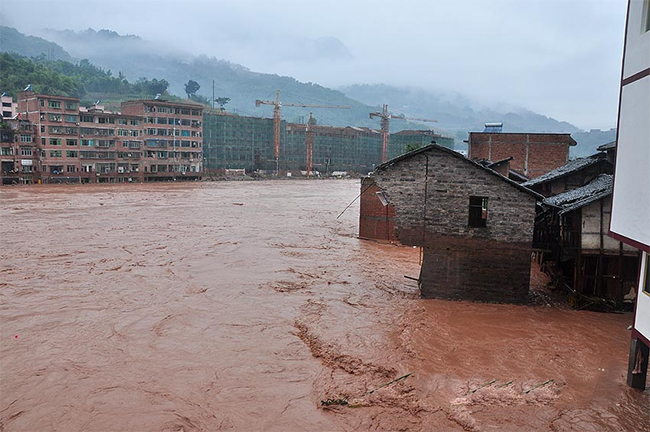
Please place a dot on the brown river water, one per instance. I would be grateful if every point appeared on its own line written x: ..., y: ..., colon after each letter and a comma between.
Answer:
x: 243, y: 305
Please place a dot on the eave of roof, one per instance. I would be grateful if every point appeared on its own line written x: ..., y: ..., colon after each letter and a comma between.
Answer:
x: 607, y: 146
x: 574, y: 199
x: 566, y: 169
x: 461, y: 157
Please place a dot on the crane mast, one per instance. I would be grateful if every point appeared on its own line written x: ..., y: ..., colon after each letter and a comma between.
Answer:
x: 309, y: 144
x: 277, y: 120
x: 385, y: 117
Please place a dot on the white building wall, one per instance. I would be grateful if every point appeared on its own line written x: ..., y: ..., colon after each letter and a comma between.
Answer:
x: 631, y: 215
x: 642, y: 319
x: 631, y: 199
x: 637, y: 50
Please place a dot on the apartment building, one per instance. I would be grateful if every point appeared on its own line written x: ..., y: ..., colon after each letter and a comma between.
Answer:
x: 172, y: 136
x: 150, y: 140
x: 18, y: 152
x: 8, y: 107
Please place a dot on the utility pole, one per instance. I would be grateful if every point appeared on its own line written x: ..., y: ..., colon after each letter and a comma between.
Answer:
x: 277, y: 120
x: 385, y: 117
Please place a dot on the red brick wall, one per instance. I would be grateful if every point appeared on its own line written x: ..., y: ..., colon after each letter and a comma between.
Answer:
x: 376, y: 221
x: 545, y: 158
x: 545, y: 151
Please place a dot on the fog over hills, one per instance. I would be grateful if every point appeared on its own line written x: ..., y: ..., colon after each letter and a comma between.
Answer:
x: 136, y: 57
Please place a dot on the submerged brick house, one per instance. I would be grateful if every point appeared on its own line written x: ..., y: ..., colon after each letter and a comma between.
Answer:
x: 475, y: 226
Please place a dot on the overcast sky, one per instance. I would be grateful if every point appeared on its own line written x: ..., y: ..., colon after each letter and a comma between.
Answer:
x: 561, y: 58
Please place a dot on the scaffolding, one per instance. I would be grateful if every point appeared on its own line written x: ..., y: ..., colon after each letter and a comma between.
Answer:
x: 232, y: 141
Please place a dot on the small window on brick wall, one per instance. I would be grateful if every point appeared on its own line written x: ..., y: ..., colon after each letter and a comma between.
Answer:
x: 478, y: 212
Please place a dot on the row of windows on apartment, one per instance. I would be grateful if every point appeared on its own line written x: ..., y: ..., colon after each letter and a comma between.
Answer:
x: 111, y: 143
x: 172, y: 143
x: 9, y: 151
x: 173, y: 121
x: 69, y: 118
x: 59, y: 130
x: 55, y: 104
x: 173, y: 132
x: 111, y: 155
x: 107, y: 168
x: 171, y: 110
x: 86, y: 142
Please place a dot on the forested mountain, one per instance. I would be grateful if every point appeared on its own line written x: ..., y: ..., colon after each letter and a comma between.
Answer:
x: 11, y: 40
x: 122, y: 62
x: 82, y: 80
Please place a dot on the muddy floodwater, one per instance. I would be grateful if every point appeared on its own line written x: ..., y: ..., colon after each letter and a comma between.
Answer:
x: 243, y: 305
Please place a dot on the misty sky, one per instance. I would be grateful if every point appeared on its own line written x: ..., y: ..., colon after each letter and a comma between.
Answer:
x: 561, y: 58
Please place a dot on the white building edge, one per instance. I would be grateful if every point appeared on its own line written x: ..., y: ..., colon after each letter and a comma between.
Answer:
x: 630, y: 220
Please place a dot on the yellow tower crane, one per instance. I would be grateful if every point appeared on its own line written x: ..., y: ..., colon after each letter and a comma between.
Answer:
x: 385, y: 117
x: 276, y: 123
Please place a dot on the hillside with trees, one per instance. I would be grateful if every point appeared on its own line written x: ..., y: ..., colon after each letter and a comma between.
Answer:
x: 183, y: 74
x: 82, y: 79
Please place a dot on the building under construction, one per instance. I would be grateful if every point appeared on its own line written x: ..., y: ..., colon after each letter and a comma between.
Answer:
x: 238, y: 142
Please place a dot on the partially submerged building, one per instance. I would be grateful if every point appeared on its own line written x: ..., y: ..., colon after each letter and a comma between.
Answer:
x: 571, y: 229
x: 376, y: 214
x: 533, y: 154
x: 19, y: 154
x: 149, y: 140
x: 475, y: 226
x: 585, y: 260
x: 630, y: 221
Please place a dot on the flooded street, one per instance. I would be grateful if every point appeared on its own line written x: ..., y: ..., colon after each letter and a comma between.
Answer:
x: 243, y: 305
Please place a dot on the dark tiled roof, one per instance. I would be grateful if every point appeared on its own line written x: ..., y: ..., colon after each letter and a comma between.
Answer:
x: 598, y: 188
x: 608, y: 146
x: 566, y: 169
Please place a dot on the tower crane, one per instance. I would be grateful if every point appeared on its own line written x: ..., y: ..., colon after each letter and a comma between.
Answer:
x: 309, y: 143
x: 276, y: 119
x: 385, y: 117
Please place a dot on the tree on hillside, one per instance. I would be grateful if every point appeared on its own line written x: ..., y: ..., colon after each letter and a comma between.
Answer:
x: 191, y: 88
x: 222, y: 101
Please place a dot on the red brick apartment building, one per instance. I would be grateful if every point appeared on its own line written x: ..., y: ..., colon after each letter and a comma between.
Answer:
x: 18, y: 152
x: 533, y: 154
x: 172, y: 135
x: 150, y: 140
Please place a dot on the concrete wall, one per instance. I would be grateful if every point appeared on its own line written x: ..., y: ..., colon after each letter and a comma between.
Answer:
x: 461, y: 261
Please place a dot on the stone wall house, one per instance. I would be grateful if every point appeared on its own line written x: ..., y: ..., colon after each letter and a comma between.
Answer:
x: 475, y: 226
